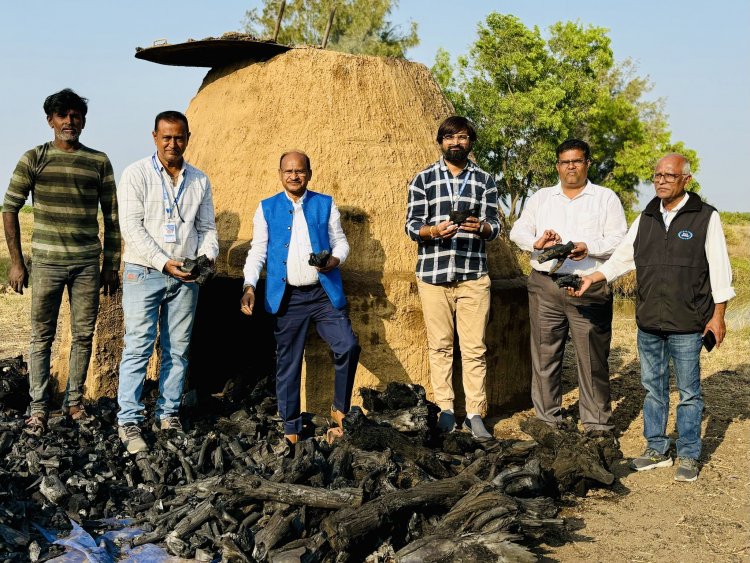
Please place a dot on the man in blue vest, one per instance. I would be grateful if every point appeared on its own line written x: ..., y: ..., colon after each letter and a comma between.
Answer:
x: 287, y: 228
x: 678, y: 250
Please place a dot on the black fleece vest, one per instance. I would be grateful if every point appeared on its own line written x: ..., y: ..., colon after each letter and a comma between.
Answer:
x: 674, y: 289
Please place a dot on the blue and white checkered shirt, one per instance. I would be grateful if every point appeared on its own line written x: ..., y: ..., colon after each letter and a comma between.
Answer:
x: 433, y: 193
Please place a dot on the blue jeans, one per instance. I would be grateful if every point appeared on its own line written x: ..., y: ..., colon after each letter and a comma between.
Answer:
x: 49, y: 283
x: 151, y: 298
x: 655, y: 351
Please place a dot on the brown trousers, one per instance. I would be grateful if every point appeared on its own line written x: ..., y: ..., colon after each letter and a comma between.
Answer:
x: 464, y: 307
x: 553, y: 313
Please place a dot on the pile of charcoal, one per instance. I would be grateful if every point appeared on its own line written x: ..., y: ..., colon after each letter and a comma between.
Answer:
x: 232, y: 489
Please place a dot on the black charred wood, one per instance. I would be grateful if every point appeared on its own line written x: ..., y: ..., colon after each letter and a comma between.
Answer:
x: 574, y: 460
x: 275, y: 530
x: 573, y: 281
x: 380, y: 515
x: 556, y: 252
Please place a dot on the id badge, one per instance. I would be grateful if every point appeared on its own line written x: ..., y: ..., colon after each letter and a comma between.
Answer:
x: 170, y: 232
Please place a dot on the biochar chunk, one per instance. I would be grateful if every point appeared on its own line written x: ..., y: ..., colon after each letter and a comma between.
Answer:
x: 320, y: 259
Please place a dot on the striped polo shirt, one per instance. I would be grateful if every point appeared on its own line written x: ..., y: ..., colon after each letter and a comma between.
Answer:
x: 67, y: 189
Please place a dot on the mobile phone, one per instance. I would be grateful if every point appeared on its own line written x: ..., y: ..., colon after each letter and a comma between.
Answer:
x: 709, y: 341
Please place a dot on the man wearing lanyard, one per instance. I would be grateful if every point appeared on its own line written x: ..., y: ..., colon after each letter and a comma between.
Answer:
x: 579, y: 211
x: 678, y: 250
x: 166, y: 216
x: 452, y: 277
x: 286, y: 229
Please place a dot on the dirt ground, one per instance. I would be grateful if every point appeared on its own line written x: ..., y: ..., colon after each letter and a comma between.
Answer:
x: 648, y: 516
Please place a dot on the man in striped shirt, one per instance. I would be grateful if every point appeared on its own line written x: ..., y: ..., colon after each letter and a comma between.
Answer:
x: 68, y: 183
x: 453, y: 282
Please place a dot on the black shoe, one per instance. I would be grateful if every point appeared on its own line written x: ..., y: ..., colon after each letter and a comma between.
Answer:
x: 446, y: 422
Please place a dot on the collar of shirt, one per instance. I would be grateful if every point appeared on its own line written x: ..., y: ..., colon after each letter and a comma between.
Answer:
x: 587, y: 190
x: 668, y: 215
x: 299, y: 201
x: 162, y: 167
x: 469, y: 165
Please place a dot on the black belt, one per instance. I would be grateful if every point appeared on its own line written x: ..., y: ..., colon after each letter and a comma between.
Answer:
x: 305, y: 288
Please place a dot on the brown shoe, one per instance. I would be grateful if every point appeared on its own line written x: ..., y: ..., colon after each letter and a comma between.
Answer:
x: 78, y: 413
x: 291, y: 438
x: 337, y: 416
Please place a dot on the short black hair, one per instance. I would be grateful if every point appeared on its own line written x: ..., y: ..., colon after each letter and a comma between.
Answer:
x: 453, y: 125
x: 304, y: 155
x: 172, y: 117
x: 63, y: 101
x: 574, y: 144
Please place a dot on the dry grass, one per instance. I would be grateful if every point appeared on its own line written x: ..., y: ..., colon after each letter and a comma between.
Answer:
x: 15, y: 310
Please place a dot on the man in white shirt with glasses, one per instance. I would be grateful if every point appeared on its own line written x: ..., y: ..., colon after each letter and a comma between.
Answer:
x: 592, y: 217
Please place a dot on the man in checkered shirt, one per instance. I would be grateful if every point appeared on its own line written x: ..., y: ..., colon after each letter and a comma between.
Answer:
x: 452, y: 277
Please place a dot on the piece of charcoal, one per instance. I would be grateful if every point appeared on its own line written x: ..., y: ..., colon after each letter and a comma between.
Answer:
x: 459, y: 217
x: 556, y: 251
x: 573, y: 281
x: 201, y: 267
x: 320, y: 259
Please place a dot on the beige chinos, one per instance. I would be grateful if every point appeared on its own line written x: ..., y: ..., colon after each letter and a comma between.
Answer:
x: 465, y: 307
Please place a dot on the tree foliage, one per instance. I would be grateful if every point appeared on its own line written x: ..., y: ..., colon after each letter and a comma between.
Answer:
x: 360, y: 26
x: 528, y: 93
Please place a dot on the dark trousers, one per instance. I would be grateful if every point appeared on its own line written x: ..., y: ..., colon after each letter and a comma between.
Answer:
x: 553, y: 313
x: 298, y: 308
x: 49, y: 284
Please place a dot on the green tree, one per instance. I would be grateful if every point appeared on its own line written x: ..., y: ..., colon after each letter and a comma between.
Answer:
x: 360, y: 26
x: 528, y: 93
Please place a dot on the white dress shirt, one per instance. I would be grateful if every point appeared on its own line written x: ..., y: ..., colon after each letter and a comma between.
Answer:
x: 719, y: 268
x: 299, y: 272
x: 595, y: 216
x: 142, y: 218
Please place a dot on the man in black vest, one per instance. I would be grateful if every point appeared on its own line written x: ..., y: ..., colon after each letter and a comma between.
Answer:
x: 678, y: 250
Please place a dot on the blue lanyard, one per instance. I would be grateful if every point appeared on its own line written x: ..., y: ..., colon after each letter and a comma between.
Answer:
x: 165, y: 196
x: 461, y: 189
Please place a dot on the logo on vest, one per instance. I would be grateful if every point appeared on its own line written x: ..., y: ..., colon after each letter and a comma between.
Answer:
x: 685, y: 235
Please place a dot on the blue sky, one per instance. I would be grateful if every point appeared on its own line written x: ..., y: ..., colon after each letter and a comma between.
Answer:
x: 696, y: 54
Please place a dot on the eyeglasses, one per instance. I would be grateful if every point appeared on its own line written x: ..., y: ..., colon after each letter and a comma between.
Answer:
x: 460, y: 138
x: 294, y: 172
x: 576, y: 163
x: 668, y: 178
